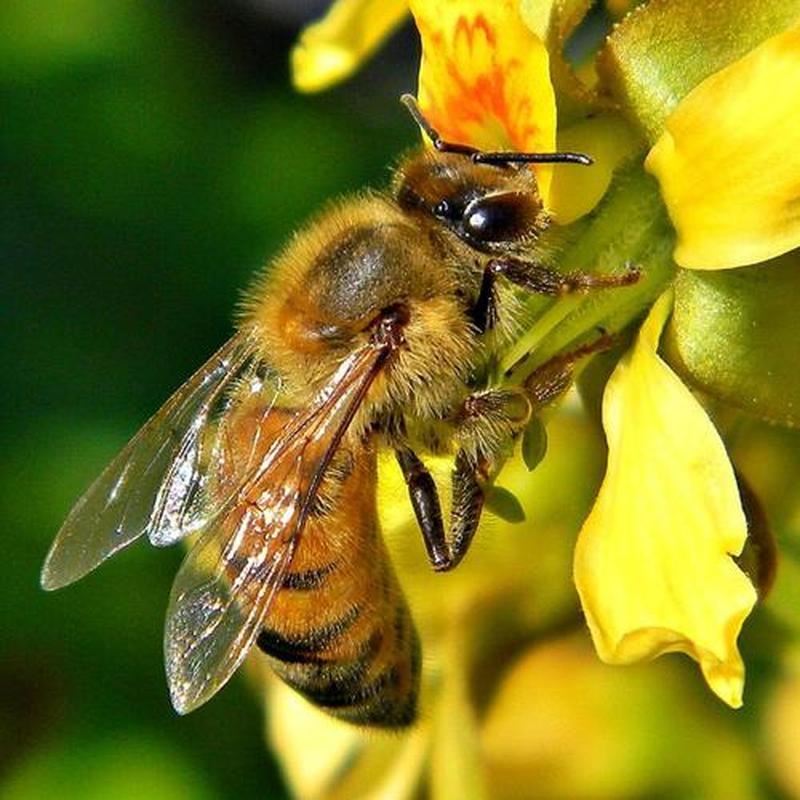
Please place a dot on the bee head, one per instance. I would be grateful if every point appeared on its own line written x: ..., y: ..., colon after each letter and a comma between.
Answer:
x: 490, y: 200
x: 489, y: 207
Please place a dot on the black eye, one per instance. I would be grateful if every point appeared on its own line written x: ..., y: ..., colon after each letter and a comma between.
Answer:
x: 496, y: 218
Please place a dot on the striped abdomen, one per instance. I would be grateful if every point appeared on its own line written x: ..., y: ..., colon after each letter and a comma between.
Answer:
x: 339, y: 631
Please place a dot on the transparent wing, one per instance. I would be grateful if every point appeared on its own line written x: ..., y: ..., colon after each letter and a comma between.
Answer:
x: 153, y: 484
x: 228, y: 580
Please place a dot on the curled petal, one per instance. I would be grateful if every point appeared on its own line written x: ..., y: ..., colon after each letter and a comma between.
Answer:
x: 332, y: 49
x: 575, y: 77
x: 538, y: 15
x: 484, y: 78
x: 729, y: 161
x: 653, y: 562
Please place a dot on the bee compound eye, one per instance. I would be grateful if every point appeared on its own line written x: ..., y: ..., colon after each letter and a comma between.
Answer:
x: 480, y: 221
x: 495, y: 218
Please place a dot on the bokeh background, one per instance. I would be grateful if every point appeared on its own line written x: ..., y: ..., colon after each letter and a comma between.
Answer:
x: 152, y: 157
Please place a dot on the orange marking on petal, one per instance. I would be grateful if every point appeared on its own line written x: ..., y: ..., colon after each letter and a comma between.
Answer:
x: 477, y: 108
x: 470, y: 30
x: 484, y: 78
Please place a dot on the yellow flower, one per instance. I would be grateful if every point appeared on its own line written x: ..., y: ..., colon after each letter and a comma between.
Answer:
x: 333, y: 48
x: 484, y: 78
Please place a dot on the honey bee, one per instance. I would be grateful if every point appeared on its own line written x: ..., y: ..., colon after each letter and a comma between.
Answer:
x: 370, y: 330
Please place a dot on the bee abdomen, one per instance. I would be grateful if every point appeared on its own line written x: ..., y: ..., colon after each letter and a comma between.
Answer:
x: 362, y: 667
x: 366, y: 689
x: 339, y: 631
x: 348, y: 694
x: 305, y: 649
x: 308, y: 580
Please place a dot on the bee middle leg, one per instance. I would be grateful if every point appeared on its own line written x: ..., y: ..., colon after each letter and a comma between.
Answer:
x: 486, y: 426
x: 550, y: 380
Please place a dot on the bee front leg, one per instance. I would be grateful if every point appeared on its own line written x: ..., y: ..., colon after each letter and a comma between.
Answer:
x: 542, y: 280
x: 538, y: 279
x: 484, y: 313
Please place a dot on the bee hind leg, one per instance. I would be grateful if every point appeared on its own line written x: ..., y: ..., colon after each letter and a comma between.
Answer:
x: 444, y: 552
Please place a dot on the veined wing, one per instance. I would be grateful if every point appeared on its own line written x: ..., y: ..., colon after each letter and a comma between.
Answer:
x: 228, y: 580
x: 151, y: 486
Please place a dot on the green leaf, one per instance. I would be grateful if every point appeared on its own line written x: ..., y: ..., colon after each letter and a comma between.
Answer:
x: 534, y: 443
x: 660, y: 52
x: 735, y: 335
x: 504, y: 504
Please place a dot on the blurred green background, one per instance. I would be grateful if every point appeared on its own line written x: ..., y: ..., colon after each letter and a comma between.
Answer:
x: 153, y: 157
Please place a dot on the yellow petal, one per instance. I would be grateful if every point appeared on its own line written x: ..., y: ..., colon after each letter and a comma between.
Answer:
x: 332, y: 49
x: 729, y: 161
x: 484, y: 78
x: 322, y: 757
x: 456, y: 766
x: 653, y: 562
x: 575, y: 190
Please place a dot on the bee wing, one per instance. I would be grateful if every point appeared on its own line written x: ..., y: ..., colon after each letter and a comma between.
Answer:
x: 150, y: 486
x: 228, y: 580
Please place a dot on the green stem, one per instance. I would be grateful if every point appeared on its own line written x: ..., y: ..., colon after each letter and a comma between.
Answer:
x: 630, y: 227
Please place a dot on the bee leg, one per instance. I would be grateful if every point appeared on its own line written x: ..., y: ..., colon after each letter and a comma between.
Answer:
x: 550, y: 380
x: 540, y: 280
x: 543, y: 280
x: 484, y: 313
x: 488, y: 422
x: 425, y: 501
x: 466, y: 507
x: 486, y: 426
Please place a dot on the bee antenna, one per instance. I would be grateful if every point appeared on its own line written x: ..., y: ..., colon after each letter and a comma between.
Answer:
x: 498, y: 158
x: 513, y: 157
x: 410, y: 102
